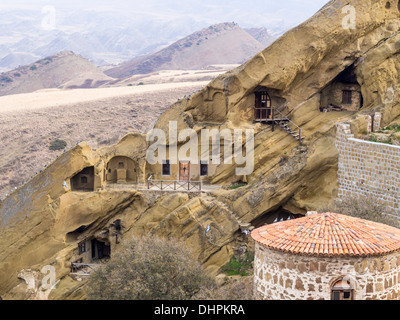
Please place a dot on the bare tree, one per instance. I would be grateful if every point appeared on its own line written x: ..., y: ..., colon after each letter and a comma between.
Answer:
x: 149, y: 268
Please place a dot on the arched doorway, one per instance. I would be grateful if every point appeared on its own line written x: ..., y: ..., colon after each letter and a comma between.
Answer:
x: 342, y: 289
x: 121, y: 169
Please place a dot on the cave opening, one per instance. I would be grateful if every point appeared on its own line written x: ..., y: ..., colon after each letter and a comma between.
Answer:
x: 275, y: 216
x: 74, y: 235
x: 343, y: 93
x: 84, y: 180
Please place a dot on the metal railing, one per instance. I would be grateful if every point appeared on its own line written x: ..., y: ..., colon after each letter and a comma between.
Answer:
x: 85, y: 268
x: 292, y: 123
x: 174, y: 185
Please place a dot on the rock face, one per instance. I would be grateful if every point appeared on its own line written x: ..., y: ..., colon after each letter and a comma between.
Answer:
x: 43, y: 222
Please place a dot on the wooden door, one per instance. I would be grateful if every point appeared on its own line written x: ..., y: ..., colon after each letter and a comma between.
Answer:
x: 262, y: 106
x: 184, y: 171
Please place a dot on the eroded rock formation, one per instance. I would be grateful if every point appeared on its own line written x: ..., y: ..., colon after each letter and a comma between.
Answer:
x: 43, y: 222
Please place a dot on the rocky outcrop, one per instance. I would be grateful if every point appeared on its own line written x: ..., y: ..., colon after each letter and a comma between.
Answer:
x: 42, y: 222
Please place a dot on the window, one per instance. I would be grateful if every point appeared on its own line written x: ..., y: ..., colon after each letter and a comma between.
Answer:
x: 82, y: 247
x: 203, y: 169
x: 336, y: 295
x: 166, y: 168
x: 342, y: 290
x: 84, y: 180
x: 347, y: 97
x: 342, y: 295
x: 121, y: 165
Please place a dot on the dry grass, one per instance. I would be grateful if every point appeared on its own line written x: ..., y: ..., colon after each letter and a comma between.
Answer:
x: 28, y: 130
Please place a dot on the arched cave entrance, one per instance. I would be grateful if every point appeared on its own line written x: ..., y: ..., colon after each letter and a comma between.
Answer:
x: 269, y: 104
x: 343, y: 93
x: 84, y: 180
x: 274, y: 216
x: 122, y: 169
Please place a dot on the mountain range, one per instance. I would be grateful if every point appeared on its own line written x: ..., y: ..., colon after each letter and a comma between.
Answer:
x: 220, y: 44
x: 103, y: 37
x: 224, y: 43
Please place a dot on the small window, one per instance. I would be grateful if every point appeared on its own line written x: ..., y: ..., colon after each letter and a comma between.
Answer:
x: 203, y: 169
x: 347, y: 96
x: 336, y: 295
x: 342, y: 290
x: 121, y: 165
x: 82, y: 247
x: 347, y: 295
x: 166, y: 168
x: 84, y: 180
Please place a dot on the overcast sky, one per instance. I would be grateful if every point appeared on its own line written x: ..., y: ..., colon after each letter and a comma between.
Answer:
x: 247, y: 13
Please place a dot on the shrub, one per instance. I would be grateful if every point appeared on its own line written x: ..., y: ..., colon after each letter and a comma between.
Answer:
x: 5, y: 79
x: 239, y: 265
x: 237, y: 186
x: 367, y: 208
x: 33, y: 67
x: 141, y: 84
x: 373, y: 138
x: 58, y: 145
x: 233, y: 289
x: 149, y: 268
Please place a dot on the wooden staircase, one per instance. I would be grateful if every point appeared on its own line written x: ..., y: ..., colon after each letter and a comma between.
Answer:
x: 290, y: 127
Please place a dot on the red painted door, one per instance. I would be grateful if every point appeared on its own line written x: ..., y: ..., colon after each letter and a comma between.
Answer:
x: 184, y: 171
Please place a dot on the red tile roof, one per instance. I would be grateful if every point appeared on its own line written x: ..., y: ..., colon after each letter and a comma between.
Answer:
x: 329, y: 234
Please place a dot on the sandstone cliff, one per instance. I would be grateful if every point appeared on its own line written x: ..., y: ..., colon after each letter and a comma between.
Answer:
x: 42, y: 222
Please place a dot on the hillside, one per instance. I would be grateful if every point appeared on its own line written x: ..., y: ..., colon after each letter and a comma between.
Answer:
x: 224, y: 43
x: 31, y: 121
x: 50, y: 72
x: 45, y: 222
x: 261, y: 35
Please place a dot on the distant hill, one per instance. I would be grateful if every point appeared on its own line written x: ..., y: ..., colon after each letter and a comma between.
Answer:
x: 14, y: 60
x: 261, y: 35
x: 224, y: 43
x: 51, y: 72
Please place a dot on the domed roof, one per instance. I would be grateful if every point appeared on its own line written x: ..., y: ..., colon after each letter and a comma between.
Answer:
x: 329, y: 234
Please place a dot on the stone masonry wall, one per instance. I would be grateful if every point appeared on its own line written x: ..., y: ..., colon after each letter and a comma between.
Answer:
x: 284, y: 276
x: 369, y: 169
x: 334, y: 95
